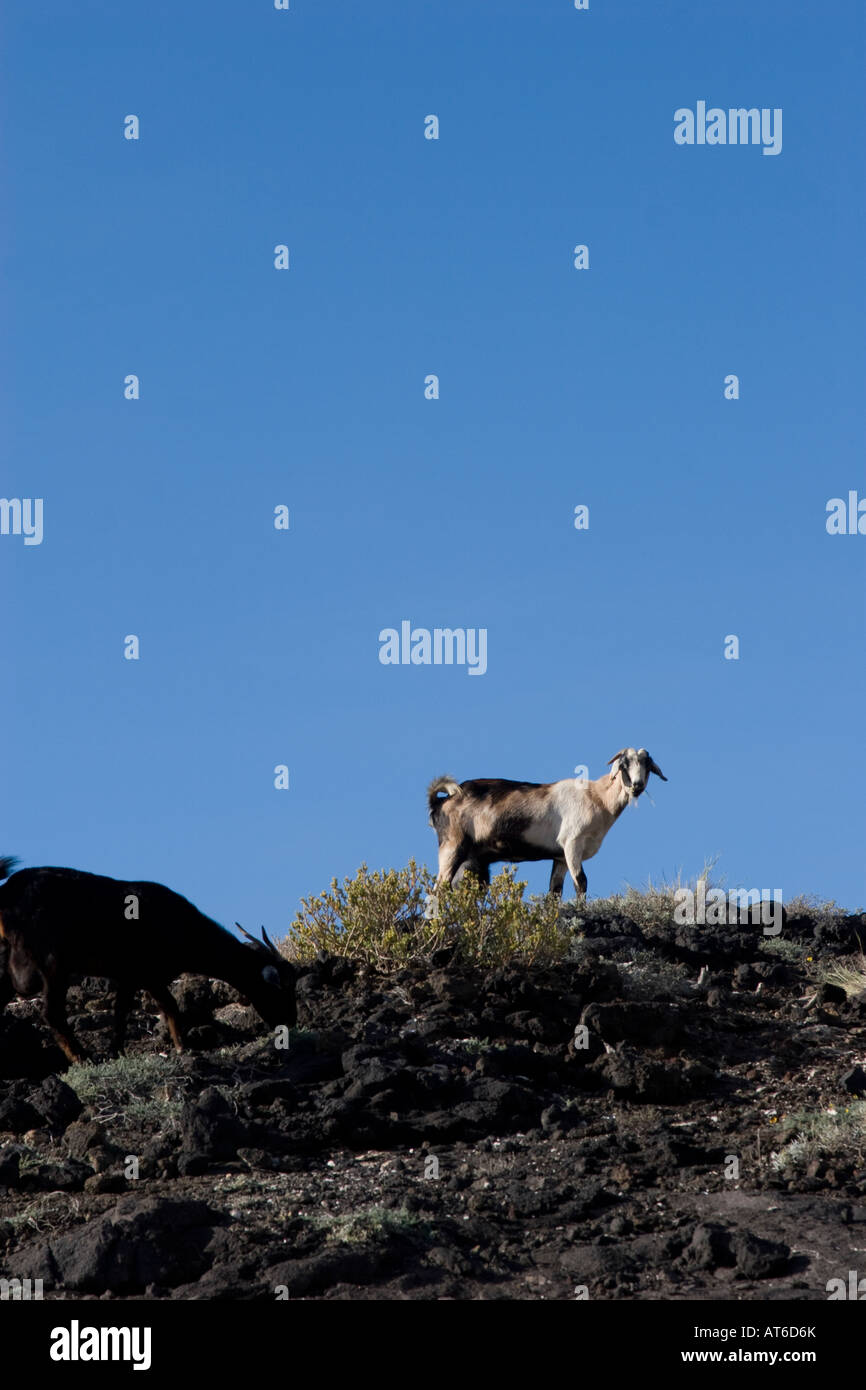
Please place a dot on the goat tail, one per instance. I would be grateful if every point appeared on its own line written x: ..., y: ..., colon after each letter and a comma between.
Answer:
x: 441, y: 784
x: 7, y: 865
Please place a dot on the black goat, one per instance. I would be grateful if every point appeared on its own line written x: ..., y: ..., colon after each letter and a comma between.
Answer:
x: 56, y: 923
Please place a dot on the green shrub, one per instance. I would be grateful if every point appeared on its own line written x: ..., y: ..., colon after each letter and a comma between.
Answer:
x: 394, y: 917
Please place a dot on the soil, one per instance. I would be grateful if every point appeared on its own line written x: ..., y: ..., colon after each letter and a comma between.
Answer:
x: 607, y: 1127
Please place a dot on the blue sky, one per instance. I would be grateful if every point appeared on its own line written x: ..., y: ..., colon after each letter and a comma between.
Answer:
x: 305, y: 387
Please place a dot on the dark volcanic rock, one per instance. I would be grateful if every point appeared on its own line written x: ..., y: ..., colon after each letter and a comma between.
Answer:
x: 69, y: 1175
x: 10, y: 1162
x: 654, y: 1025
x: 710, y: 1247
x: 56, y: 1103
x: 17, y: 1115
x: 210, y: 1131
x: 632, y: 1075
x: 759, y: 1259
x: 854, y: 1081
x: 142, y: 1241
x: 439, y: 1132
x: 26, y: 1048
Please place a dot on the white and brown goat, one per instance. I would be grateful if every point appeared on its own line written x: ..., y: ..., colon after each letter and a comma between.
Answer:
x: 490, y: 820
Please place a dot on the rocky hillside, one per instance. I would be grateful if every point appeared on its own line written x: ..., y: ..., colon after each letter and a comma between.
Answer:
x: 668, y: 1113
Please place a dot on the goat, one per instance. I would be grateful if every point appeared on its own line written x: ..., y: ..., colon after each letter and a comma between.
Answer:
x: 56, y: 923
x: 489, y: 819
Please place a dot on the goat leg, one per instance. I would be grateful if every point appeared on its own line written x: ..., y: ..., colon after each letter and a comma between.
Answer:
x: 54, y: 1013
x: 122, y: 1004
x: 449, y: 864
x: 557, y: 877
x: 475, y: 867
x: 575, y: 867
x: 169, y: 1010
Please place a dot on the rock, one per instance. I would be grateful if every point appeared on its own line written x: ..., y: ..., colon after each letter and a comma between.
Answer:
x: 106, y: 1182
x: 70, y: 1175
x: 710, y: 1247
x: 263, y: 1093
x: 854, y: 1081
x: 633, y: 1076
x: 831, y: 994
x: 56, y: 1103
x: 10, y: 1159
x: 241, y: 1018
x: 210, y: 1131
x: 718, y: 998
x: 195, y: 998
x: 757, y: 1258
x: 17, y: 1115
x: 142, y: 1241
x: 368, y: 1077
x: 560, y: 1117
x: 776, y: 975
x: 524, y: 1023
x: 87, y: 1140
x: 591, y: 1263
x: 446, y: 1257
x: 320, y: 1272
x: 27, y: 1049
x: 596, y: 980
x: 654, y: 1025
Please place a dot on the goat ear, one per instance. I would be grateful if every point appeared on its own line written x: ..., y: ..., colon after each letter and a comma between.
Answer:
x: 654, y: 767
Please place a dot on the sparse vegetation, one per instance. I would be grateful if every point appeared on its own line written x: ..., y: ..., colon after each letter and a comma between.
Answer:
x: 398, y: 917
x: 49, y: 1212
x: 849, y: 974
x: 821, y: 914
x: 366, y: 1227
x: 834, y: 1137
x: 475, y: 1046
x: 651, y: 907
x: 142, y: 1090
x: 647, y: 977
x: 782, y: 949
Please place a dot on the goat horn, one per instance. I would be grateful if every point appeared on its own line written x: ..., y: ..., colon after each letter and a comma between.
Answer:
x: 269, y: 943
x: 615, y: 756
x: 264, y: 945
